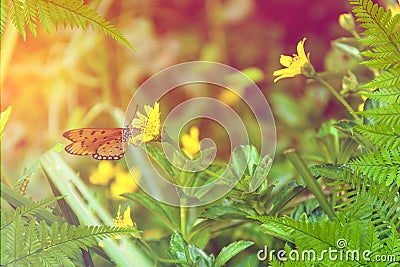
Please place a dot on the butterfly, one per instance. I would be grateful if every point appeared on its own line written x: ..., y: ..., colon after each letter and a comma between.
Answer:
x: 101, y: 143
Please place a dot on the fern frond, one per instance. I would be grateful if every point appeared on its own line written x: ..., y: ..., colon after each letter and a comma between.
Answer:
x: 5, y: 6
x: 17, y: 16
x: 387, y: 115
x: 386, y: 95
x: 30, y: 15
x: 79, y: 15
x: 382, y: 34
x: 381, y: 166
x: 367, y: 200
x: 44, y: 15
x: 54, y: 246
x: 27, y: 13
x: 387, y: 79
x: 381, y: 134
x: 27, y: 210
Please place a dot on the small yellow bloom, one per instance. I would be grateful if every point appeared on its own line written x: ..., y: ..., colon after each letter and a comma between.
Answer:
x: 125, y: 220
x: 296, y: 64
x: 361, y: 106
x: 103, y: 174
x: 124, y: 183
x: 190, y: 142
x: 149, y: 125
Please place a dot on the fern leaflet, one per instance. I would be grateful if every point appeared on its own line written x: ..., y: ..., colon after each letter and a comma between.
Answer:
x: 381, y: 166
x: 27, y: 13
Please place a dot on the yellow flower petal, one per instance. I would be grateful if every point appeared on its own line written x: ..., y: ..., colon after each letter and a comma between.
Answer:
x: 300, y: 50
x: 149, y: 125
x: 190, y: 142
x: 125, y: 220
x: 285, y: 60
x: 103, y: 174
x: 295, y: 64
x: 123, y: 183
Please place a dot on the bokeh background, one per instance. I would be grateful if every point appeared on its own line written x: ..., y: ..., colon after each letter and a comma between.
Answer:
x: 73, y: 78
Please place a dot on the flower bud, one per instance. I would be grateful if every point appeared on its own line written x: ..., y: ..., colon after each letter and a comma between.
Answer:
x: 346, y: 21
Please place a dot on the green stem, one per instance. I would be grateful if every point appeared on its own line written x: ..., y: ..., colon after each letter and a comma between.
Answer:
x: 312, y: 184
x: 338, y: 97
x: 183, y: 213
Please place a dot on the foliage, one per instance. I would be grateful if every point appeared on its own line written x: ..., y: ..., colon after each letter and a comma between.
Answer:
x: 366, y: 187
x: 350, y: 193
x: 29, y: 13
x: 31, y: 243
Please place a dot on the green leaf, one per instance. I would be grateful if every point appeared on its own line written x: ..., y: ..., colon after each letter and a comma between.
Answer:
x: 180, y: 250
x: 334, y: 171
x: 231, y: 251
x: 201, y: 238
x: 89, y: 211
x: 260, y: 174
x: 167, y: 213
x: 347, y: 49
x: 226, y: 212
x: 177, y: 247
x: 5, y: 6
x: 162, y: 161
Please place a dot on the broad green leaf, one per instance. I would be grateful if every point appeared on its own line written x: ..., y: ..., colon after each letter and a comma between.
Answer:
x: 273, y: 230
x: 290, y: 192
x: 167, y: 213
x: 230, y: 251
x: 162, y: 161
x: 177, y: 247
x: 260, y: 174
x: 348, y: 49
x: 178, y: 250
x: 201, y: 238
x: 228, y: 212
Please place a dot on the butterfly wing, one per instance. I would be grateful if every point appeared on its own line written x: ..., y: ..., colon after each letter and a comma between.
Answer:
x: 102, y: 143
x: 112, y: 149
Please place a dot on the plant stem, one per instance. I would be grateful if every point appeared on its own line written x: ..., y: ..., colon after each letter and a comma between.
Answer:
x: 338, y: 97
x: 314, y: 187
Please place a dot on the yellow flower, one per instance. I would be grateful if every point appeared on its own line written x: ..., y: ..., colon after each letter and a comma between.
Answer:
x: 361, y: 106
x: 296, y: 64
x: 190, y: 142
x: 124, y: 183
x: 149, y: 125
x: 125, y: 220
x: 103, y: 174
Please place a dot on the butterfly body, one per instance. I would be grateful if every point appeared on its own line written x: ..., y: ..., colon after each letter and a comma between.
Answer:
x: 101, y: 143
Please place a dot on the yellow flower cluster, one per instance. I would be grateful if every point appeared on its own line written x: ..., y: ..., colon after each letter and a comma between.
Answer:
x: 190, y: 142
x: 120, y: 181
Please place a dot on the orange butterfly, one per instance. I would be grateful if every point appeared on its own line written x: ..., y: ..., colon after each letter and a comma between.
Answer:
x: 101, y: 143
